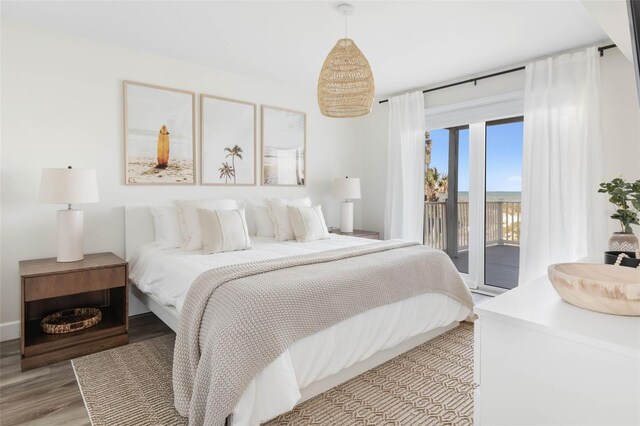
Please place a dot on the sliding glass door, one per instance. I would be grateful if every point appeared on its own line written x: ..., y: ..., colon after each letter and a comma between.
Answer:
x: 447, y: 194
x: 472, y: 199
x: 503, y: 196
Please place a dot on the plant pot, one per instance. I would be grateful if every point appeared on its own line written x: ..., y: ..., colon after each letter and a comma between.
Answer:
x: 621, y: 241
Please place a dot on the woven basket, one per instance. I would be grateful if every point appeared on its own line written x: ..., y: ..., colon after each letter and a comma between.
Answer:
x: 70, y: 320
x: 345, y: 86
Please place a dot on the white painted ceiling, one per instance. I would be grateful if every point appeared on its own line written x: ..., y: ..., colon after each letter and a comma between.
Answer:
x: 408, y: 44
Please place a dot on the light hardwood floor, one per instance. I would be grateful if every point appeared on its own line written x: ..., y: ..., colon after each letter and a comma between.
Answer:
x: 50, y: 395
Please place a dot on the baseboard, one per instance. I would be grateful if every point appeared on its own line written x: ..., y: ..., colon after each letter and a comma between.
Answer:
x: 9, y: 330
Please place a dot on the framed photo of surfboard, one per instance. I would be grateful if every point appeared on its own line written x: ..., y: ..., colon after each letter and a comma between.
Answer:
x: 227, y: 141
x: 159, y: 134
x: 284, y: 146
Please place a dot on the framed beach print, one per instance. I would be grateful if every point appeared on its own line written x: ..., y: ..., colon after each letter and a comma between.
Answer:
x: 227, y: 141
x: 284, y: 146
x: 159, y: 129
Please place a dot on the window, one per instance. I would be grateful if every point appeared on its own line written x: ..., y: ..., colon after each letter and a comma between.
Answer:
x: 472, y: 199
x: 503, y: 197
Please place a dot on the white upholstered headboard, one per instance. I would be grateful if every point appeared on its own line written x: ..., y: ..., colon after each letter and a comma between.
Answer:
x: 138, y: 228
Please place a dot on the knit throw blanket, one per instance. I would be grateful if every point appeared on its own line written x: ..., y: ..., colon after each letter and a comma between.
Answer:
x: 237, y: 319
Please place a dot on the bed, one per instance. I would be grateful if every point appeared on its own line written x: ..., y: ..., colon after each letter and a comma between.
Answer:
x: 311, y: 365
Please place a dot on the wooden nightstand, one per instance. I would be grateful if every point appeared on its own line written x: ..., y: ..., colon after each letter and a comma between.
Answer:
x: 99, y: 281
x: 358, y: 233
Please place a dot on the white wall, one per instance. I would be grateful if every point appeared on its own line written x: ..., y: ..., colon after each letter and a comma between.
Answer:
x: 62, y: 105
x: 620, y: 122
x: 613, y: 18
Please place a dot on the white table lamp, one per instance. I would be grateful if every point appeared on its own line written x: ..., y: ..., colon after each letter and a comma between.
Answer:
x: 69, y: 186
x: 346, y: 188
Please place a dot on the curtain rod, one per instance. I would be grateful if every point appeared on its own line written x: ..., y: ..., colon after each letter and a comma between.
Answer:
x: 495, y: 74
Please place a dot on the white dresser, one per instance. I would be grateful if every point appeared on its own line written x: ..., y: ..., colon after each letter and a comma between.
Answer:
x: 542, y: 361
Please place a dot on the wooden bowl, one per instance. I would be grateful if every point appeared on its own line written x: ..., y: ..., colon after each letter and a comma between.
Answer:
x: 601, y: 288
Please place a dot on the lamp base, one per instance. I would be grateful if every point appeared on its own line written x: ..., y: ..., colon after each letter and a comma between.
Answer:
x: 346, y: 217
x: 70, y: 235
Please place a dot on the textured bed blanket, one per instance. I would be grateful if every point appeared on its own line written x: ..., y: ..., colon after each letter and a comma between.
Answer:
x: 237, y: 319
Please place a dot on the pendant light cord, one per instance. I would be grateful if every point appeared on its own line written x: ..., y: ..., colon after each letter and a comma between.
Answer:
x: 345, y: 25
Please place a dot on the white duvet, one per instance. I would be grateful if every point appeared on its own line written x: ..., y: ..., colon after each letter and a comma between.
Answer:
x: 168, y: 273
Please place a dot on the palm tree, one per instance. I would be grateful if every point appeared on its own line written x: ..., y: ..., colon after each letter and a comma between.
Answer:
x: 427, y: 147
x: 226, y: 171
x: 443, y: 185
x: 435, y: 184
x: 234, y: 152
x: 431, y: 184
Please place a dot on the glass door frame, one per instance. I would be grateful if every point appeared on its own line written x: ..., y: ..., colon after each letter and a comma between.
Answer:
x: 452, y: 193
x: 484, y: 286
x: 477, y: 154
x: 476, y: 215
x: 475, y: 278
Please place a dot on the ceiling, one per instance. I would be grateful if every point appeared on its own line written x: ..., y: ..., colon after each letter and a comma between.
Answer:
x: 408, y: 44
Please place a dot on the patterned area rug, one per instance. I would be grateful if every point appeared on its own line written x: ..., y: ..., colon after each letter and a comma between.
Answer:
x: 130, y: 385
x: 431, y: 384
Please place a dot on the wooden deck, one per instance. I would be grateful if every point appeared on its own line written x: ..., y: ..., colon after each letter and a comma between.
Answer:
x: 501, y: 262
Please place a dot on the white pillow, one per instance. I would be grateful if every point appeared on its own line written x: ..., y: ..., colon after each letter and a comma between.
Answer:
x: 224, y: 230
x: 190, y: 223
x: 166, y: 223
x: 264, y: 223
x: 280, y: 216
x: 250, y: 216
x: 308, y: 223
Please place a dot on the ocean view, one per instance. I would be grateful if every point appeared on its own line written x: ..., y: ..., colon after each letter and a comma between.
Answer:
x: 493, y: 196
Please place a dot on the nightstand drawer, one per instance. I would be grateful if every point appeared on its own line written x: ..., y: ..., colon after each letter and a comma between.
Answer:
x: 37, y: 288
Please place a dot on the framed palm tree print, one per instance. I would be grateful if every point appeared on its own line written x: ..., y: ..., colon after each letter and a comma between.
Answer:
x: 160, y: 135
x: 284, y: 146
x: 227, y: 141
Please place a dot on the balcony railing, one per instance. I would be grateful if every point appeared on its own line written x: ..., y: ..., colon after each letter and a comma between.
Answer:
x: 502, y: 224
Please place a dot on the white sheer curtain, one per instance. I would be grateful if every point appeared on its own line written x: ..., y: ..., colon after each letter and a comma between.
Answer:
x: 563, y: 217
x: 404, y: 207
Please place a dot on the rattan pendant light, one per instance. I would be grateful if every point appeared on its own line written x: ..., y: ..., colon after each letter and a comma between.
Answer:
x: 345, y: 86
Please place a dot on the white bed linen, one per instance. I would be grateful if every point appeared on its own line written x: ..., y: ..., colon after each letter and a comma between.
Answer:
x: 276, y: 389
x: 168, y: 273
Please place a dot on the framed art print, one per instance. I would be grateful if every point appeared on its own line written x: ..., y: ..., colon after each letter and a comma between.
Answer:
x: 159, y: 125
x: 227, y: 141
x: 284, y: 146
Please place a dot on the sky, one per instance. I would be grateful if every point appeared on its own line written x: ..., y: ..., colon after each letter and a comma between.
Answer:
x: 504, y: 157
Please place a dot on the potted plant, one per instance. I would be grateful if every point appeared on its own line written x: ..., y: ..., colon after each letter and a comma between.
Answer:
x: 625, y: 196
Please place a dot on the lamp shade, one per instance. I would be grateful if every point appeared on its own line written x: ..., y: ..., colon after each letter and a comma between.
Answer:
x: 346, y: 188
x: 345, y: 85
x: 68, y: 186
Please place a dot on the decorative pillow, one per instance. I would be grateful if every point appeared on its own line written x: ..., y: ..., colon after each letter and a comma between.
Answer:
x: 166, y: 223
x: 190, y: 223
x: 224, y: 230
x: 250, y: 215
x: 280, y: 216
x: 308, y: 223
x: 264, y: 224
